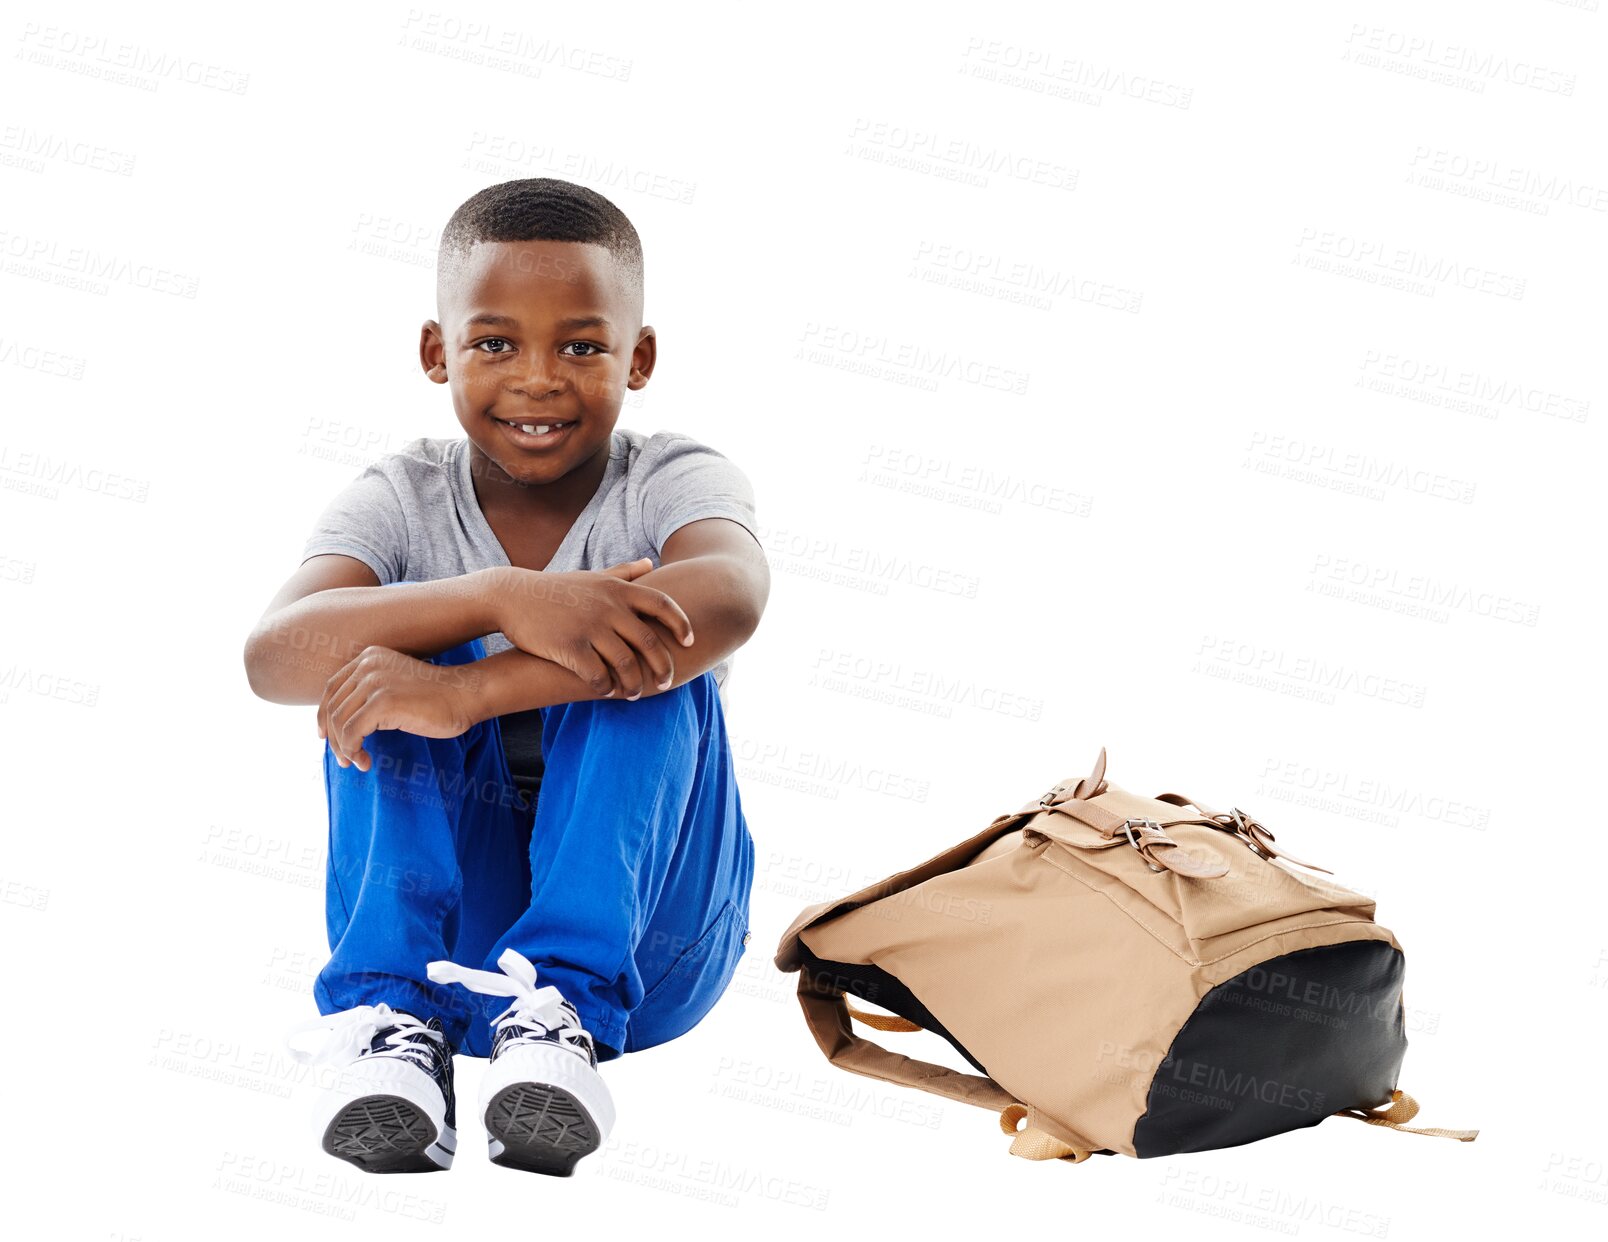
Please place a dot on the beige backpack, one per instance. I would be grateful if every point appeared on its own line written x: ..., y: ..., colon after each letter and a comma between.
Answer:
x: 1136, y: 975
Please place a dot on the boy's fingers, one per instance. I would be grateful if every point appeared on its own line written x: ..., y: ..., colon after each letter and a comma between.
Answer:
x: 590, y: 668
x: 334, y: 692
x: 361, y: 724
x: 627, y: 570
x: 322, y: 712
x: 341, y: 704
x: 663, y: 609
x: 657, y: 663
x: 347, y: 702
x: 622, y: 662
x: 337, y: 743
x: 356, y: 756
x: 331, y: 733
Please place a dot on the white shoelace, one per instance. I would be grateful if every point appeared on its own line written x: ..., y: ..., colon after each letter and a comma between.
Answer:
x: 542, y: 1008
x: 349, y: 1033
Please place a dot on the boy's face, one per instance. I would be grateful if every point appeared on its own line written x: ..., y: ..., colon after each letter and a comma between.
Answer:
x: 537, y: 334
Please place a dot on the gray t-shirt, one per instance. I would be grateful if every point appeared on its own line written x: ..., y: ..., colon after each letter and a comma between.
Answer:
x: 412, y: 516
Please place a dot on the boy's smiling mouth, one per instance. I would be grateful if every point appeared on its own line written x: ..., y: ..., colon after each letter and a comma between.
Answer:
x: 533, y: 432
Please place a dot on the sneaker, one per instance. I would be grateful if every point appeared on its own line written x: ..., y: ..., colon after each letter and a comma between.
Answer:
x: 392, y: 1110
x: 543, y: 1101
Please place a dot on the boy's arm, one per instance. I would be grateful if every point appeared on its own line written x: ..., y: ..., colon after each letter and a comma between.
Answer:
x: 714, y: 568
x: 720, y: 579
x: 329, y: 611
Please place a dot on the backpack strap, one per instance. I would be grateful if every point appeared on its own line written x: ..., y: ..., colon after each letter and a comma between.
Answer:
x: 828, y: 1014
x: 828, y: 1018
x: 1404, y: 1108
x: 1246, y: 826
x: 882, y: 1021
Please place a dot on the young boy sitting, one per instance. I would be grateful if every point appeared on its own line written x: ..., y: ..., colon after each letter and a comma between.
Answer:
x: 531, y: 794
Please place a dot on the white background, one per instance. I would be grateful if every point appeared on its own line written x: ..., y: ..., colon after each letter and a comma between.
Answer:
x: 1220, y: 384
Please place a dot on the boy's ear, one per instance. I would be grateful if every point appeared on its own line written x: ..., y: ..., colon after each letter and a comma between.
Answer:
x: 643, y: 357
x: 432, y: 352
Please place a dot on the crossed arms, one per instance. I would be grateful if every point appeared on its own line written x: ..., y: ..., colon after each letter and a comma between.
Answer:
x: 328, y: 638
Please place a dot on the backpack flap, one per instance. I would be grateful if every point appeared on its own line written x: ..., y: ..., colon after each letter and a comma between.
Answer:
x: 789, y: 953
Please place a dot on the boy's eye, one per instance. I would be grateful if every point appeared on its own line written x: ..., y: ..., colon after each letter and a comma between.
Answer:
x: 506, y: 346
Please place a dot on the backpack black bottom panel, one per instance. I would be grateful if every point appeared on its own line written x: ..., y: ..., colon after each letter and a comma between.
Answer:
x: 1278, y: 1047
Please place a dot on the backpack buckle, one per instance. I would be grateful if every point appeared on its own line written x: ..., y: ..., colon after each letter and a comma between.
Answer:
x: 1257, y: 836
x: 1144, y: 825
x: 1153, y: 843
x: 1056, y: 795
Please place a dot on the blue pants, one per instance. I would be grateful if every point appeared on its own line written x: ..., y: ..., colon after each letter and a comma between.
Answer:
x: 627, y: 884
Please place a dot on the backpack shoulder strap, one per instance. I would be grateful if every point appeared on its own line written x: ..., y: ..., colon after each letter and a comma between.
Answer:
x: 828, y: 1014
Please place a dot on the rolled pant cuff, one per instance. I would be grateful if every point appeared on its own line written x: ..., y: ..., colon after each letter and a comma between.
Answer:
x: 607, y: 1031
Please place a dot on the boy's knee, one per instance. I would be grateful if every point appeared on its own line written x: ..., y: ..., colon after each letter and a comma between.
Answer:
x: 662, y: 708
x: 692, y: 693
x: 396, y: 757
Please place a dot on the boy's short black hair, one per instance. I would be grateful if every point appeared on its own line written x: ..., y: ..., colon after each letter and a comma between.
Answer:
x: 542, y: 209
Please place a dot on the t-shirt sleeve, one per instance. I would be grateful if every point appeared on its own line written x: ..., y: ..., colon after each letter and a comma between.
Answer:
x: 689, y: 481
x: 365, y: 520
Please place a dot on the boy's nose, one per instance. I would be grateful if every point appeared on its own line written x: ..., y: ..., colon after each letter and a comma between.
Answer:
x: 537, y: 384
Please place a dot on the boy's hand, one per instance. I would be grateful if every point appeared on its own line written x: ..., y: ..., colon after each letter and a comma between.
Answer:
x: 592, y: 623
x: 385, y: 689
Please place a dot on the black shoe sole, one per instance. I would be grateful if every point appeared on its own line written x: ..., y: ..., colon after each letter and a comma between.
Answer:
x: 542, y: 1128
x: 382, y: 1134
